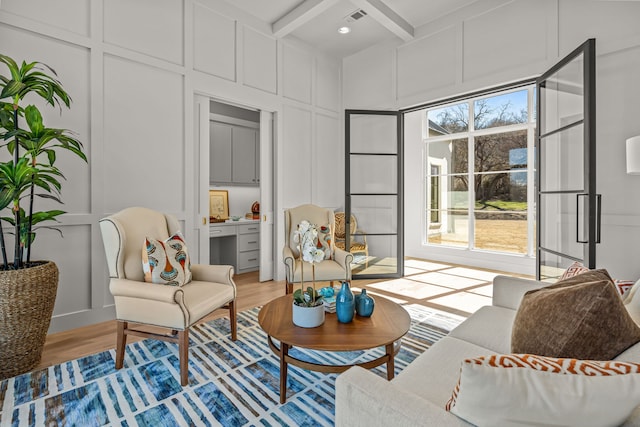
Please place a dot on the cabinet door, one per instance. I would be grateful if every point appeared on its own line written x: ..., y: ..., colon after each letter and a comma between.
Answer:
x: 244, y: 156
x: 220, y: 152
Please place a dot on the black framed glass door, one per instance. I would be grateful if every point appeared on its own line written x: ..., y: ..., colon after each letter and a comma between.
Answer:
x: 374, y: 191
x: 568, y: 208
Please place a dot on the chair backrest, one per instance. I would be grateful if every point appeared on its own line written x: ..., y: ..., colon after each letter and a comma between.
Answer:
x: 123, y: 234
x: 312, y: 213
x: 340, y: 228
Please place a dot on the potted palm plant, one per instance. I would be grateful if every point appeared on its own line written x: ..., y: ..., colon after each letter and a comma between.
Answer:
x: 28, y: 171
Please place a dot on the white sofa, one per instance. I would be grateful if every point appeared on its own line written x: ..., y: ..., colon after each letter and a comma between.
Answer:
x: 417, y: 396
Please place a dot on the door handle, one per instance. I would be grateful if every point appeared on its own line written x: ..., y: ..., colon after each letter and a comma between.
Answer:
x: 578, y: 218
x: 598, y: 217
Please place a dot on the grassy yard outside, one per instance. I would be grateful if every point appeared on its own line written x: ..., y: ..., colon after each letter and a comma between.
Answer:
x: 491, y: 234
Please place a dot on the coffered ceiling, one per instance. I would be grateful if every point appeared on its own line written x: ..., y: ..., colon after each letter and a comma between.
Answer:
x: 316, y: 22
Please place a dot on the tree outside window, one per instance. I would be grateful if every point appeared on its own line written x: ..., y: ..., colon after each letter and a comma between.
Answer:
x: 482, y: 147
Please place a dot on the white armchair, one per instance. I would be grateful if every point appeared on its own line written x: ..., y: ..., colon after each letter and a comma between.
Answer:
x: 172, y: 307
x: 338, y: 268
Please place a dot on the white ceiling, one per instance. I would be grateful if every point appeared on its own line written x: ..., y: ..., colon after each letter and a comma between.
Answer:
x: 316, y: 21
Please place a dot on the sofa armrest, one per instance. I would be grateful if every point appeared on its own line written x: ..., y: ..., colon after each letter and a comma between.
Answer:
x: 365, y: 399
x: 508, y: 291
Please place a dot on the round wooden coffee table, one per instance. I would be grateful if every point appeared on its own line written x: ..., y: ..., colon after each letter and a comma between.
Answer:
x: 385, y: 327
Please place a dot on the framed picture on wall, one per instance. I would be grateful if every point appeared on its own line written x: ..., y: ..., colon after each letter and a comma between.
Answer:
x: 218, y: 204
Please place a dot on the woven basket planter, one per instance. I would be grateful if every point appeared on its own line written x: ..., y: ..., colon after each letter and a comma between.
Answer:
x: 27, y: 298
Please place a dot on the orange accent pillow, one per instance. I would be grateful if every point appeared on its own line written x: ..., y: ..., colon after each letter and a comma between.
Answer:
x: 525, y: 389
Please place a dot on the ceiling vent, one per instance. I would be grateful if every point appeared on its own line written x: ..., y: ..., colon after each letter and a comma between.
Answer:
x: 354, y: 16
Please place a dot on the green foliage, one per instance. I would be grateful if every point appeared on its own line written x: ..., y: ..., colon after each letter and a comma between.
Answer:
x: 307, y: 298
x: 34, y: 148
x: 37, y: 217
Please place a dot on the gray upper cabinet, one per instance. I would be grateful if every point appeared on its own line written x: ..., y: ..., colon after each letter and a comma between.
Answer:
x: 244, y: 156
x: 220, y: 152
x: 233, y: 154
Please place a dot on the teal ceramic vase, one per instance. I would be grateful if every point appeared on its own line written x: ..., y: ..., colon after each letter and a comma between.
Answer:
x: 345, y: 304
x: 364, y: 304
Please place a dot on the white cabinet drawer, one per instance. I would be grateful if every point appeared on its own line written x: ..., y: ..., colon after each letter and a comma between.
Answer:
x: 248, y: 260
x: 248, y: 242
x: 249, y: 228
x: 222, y: 230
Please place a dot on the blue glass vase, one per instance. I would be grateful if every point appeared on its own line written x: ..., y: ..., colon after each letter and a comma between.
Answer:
x: 364, y: 304
x: 345, y: 304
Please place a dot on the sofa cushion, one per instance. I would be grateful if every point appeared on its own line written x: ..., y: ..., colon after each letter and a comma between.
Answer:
x: 581, y: 317
x: 489, y: 327
x: 624, y: 287
x: 573, y: 270
x: 434, y: 373
x: 516, y: 390
x: 166, y: 262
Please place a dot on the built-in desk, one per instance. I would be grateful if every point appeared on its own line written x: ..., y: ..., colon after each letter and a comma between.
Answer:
x: 235, y: 243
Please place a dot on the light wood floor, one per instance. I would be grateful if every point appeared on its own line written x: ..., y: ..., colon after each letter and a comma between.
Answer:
x: 68, y: 345
x: 447, y: 287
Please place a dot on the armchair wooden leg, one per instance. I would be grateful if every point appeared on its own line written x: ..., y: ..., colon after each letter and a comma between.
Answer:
x: 121, y: 342
x: 183, y: 351
x: 233, y: 320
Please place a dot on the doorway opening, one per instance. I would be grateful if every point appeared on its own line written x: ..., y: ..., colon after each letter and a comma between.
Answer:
x: 236, y: 186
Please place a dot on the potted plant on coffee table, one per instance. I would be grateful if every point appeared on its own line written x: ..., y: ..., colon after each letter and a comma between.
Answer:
x: 28, y: 172
x: 308, y: 307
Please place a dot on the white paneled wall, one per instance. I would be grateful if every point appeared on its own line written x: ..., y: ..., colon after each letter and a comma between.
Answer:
x: 71, y: 15
x: 147, y: 152
x: 132, y: 68
x: 478, y: 47
x: 516, y: 39
x: 152, y: 27
x: 260, y: 58
x: 296, y: 145
x: 297, y: 64
x: 214, y: 46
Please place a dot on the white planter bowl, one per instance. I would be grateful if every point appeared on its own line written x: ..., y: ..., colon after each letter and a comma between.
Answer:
x: 308, y: 317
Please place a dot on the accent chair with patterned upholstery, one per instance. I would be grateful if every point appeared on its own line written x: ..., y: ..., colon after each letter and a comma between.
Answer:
x: 337, y: 268
x: 172, y: 307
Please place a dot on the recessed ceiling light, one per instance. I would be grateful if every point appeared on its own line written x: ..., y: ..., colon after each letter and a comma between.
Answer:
x: 344, y: 30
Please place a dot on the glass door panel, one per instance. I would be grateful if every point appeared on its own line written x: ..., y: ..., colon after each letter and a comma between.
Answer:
x: 567, y: 203
x: 375, y: 213
x: 373, y: 192
x: 373, y: 174
x: 562, y: 96
x: 561, y: 223
x: 562, y: 154
x: 373, y: 133
x: 552, y: 266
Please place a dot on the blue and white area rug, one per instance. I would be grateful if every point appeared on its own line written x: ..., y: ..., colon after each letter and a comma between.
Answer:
x: 230, y: 383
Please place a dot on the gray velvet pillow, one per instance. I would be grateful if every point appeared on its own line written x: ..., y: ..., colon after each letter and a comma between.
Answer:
x: 581, y: 317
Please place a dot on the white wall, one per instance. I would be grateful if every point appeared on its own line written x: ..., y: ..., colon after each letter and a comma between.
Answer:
x: 492, y: 42
x: 132, y: 68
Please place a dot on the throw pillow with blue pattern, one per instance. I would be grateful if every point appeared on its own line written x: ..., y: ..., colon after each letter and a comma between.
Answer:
x: 166, y: 262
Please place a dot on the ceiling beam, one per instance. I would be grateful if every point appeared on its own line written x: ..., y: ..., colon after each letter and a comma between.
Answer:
x: 387, y: 17
x: 300, y: 15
